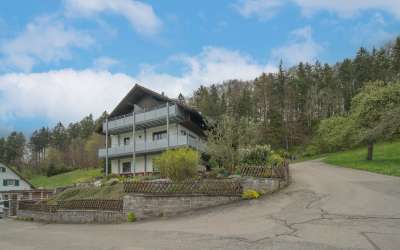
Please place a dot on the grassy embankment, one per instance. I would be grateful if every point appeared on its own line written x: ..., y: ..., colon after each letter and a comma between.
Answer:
x: 105, y: 192
x: 65, y: 179
x: 386, y: 159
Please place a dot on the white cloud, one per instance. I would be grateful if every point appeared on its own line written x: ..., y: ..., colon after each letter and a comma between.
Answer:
x: 104, y: 62
x: 301, y: 48
x: 372, y: 33
x: 68, y: 94
x: 65, y: 95
x: 140, y: 15
x: 349, y: 8
x: 45, y: 40
x: 212, y: 65
x: 343, y: 8
x: 262, y: 9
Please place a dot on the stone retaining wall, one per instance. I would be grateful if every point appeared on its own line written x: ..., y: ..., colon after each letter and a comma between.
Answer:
x: 145, y: 206
x: 74, y: 216
x: 262, y: 185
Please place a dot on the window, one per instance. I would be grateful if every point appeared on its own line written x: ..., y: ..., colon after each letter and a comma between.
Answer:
x: 183, y: 132
x: 127, y: 140
x: 2, y: 169
x: 10, y: 182
x: 159, y: 135
x: 155, y: 168
x: 126, y: 167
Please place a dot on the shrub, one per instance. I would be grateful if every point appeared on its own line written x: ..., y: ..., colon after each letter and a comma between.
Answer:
x: 333, y: 134
x: 250, y: 194
x: 178, y: 164
x: 55, y: 170
x: 276, y: 160
x: 255, y: 155
x: 131, y: 217
x: 218, y: 173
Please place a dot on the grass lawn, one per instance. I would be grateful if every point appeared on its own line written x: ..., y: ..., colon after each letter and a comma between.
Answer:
x: 108, y: 192
x: 386, y: 159
x: 65, y: 179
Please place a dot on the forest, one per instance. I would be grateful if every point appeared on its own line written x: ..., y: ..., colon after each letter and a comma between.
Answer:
x: 305, y: 109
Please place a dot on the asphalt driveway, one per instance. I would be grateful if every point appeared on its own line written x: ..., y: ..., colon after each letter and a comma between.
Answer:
x: 325, y: 208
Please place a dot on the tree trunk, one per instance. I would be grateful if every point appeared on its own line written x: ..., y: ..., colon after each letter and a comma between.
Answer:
x: 370, y: 151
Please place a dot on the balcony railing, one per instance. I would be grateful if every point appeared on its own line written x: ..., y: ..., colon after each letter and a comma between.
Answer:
x: 151, y: 117
x: 152, y: 146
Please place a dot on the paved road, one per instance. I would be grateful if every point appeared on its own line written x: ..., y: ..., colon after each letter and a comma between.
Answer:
x: 325, y: 208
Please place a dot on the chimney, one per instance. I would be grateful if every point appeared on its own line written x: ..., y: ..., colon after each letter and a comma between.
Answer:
x: 162, y: 93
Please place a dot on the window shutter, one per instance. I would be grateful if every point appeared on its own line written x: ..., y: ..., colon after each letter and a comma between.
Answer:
x: 16, y: 182
x: 4, y: 183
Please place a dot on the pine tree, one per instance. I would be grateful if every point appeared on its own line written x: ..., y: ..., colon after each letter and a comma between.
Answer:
x: 395, y: 57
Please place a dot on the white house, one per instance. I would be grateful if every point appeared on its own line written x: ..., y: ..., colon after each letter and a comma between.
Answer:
x: 143, y: 125
x: 10, y: 180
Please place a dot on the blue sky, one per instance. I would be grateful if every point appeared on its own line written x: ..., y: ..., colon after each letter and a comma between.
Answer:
x: 61, y: 60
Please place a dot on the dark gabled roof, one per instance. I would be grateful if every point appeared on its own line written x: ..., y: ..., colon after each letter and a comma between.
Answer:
x: 125, y: 106
x: 18, y: 174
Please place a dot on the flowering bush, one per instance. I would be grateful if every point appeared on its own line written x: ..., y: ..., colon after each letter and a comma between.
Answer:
x: 178, y: 164
x: 250, y: 194
x: 131, y: 217
x: 255, y: 155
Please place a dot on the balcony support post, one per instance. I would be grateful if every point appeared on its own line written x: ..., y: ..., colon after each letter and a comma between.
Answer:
x: 145, y: 150
x: 167, y: 125
x: 106, y: 146
x: 133, y: 144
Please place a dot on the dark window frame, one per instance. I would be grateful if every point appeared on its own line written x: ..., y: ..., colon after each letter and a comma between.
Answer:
x: 157, y: 136
x: 125, y: 165
x: 10, y: 182
x: 127, y: 141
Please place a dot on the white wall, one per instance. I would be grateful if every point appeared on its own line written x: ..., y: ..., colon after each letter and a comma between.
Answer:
x: 139, y: 134
x: 9, y: 174
x: 139, y: 167
x: 118, y: 140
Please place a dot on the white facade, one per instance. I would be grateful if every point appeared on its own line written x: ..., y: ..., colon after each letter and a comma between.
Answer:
x: 145, y: 124
x: 178, y: 136
x: 10, y: 181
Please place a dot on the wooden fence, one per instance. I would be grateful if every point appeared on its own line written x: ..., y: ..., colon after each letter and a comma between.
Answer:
x: 105, y: 205
x: 281, y: 171
x: 204, y: 187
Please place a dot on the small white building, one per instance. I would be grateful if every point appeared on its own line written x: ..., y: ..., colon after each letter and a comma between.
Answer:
x: 10, y: 180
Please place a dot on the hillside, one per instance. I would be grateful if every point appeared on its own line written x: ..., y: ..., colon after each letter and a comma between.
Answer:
x: 386, y: 159
x: 65, y: 179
